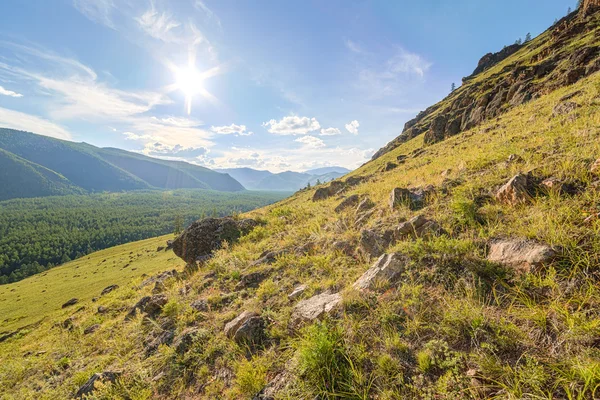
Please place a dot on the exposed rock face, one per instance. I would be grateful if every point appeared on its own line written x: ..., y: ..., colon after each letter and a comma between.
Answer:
x: 518, y: 190
x: 90, y: 385
x: 520, y: 80
x: 166, y: 337
x: 371, y: 243
x: 522, y: 255
x: 315, y: 308
x: 386, y: 269
x: 348, y: 202
x: 109, y: 289
x: 364, y: 206
x: 198, y: 242
x: 405, y: 197
x: 70, y: 303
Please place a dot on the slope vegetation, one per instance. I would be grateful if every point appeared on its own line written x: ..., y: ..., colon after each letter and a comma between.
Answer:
x: 488, y: 285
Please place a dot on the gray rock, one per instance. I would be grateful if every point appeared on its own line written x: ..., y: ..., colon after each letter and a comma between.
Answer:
x: 276, y: 387
x: 90, y: 385
x: 200, y: 305
x: 297, y: 292
x: 521, y: 255
x: 348, y: 202
x: 109, y: 289
x: 418, y: 227
x: 150, y: 305
x: 91, y: 329
x: 202, y: 238
x: 232, y: 327
x: 164, y: 337
x: 185, y: 340
x: 385, y: 270
x: 251, y: 332
x: 253, y: 279
x: 565, y: 107
x: 70, y: 303
x: 365, y: 205
x: 405, y: 197
x: 371, y: 243
x: 315, y: 308
x: 518, y: 190
x: 344, y: 247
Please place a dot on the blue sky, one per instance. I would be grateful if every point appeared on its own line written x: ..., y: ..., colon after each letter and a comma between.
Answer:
x: 266, y: 84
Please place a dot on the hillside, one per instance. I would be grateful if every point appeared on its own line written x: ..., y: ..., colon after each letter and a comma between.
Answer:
x: 287, y: 181
x: 92, y: 169
x: 34, y: 180
x: 459, y: 268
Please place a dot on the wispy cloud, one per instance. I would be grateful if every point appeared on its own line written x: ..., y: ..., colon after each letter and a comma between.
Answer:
x: 99, y: 11
x: 201, y: 5
x: 9, y: 93
x: 31, y: 123
x: 352, y: 127
x: 292, y: 125
x: 352, y: 46
x: 159, y: 25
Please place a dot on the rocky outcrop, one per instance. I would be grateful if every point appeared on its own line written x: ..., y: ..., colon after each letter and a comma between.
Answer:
x: 150, y: 305
x: 91, y: 329
x: 315, y: 308
x: 70, y: 303
x: 247, y: 328
x: 348, y: 202
x: 405, y: 197
x: 566, y: 107
x: 90, y: 385
x: 521, y: 255
x: 252, y: 279
x: 522, y: 80
x: 385, y: 270
x: 518, y: 190
x: 109, y: 289
x: 337, y: 187
x: 418, y: 227
x: 202, y: 238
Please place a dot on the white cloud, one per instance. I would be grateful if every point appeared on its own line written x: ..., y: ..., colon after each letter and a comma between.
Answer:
x: 353, y: 47
x: 330, y: 132
x: 30, y: 123
x: 158, y: 149
x: 352, y: 127
x: 98, y: 11
x: 200, y: 5
x: 311, y: 141
x: 293, y: 126
x: 405, y: 62
x: 9, y: 93
x: 231, y: 129
x: 178, y: 122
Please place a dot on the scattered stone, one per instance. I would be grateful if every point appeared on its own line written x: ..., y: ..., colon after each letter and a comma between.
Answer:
x: 418, y: 227
x: 161, y: 277
x: 268, y: 257
x: 389, y: 167
x: 522, y: 255
x: 595, y: 168
x: 169, y: 245
x: 109, y: 289
x: 315, y: 308
x: 351, y: 201
x: 91, y: 329
x: 556, y: 185
x: 185, y: 340
x: 70, y: 303
x: 150, y: 305
x: 355, y: 181
x: 344, y: 247
x: 90, y: 385
x: 198, y: 241
x: 401, y: 158
x: 332, y: 189
x: 361, y: 219
x: 386, y: 269
x: 514, y: 158
x: 516, y: 191
x: 371, y: 243
x: 232, y: 326
x: 160, y: 248
x: 95, y: 299
x: 68, y: 323
x: 564, y: 108
x: 405, y: 197
x: 274, y: 388
x: 165, y: 337
x: 102, y: 310
x: 200, y: 305
x: 364, y: 206
x: 252, y: 280
x: 251, y: 332
x: 159, y: 287
x: 297, y: 292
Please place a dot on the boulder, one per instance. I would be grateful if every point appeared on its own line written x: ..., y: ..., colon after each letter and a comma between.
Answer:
x: 252, y: 280
x: 150, y: 305
x: 521, y: 255
x: 185, y: 340
x: 332, y: 189
x: 348, y: 202
x: 202, y: 238
x: 417, y: 227
x: 371, y: 243
x: 386, y: 269
x: 595, y: 168
x: 297, y: 292
x: 565, y: 107
x: 518, y: 190
x: 315, y: 308
x: 232, y: 327
x: 90, y: 385
x: 321, y: 194
x: 109, y: 289
x: 91, y: 329
x: 164, y: 337
x: 389, y: 167
x: 102, y: 310
x: 70, y: 303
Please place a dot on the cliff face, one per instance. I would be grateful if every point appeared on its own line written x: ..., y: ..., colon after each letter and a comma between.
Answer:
x: 561, y: 56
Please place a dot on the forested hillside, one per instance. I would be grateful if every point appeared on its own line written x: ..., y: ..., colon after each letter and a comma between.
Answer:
x: 79, y: 167
x: 37, y: 234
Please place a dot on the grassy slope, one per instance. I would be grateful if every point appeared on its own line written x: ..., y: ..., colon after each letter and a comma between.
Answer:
x: 524, y: 337
x: 41, y: 296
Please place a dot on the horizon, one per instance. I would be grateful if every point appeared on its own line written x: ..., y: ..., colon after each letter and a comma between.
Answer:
x: 216, y: 83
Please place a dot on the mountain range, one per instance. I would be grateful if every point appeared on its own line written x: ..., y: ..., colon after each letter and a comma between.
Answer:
x: 34, y: 166
x: 289, y: 181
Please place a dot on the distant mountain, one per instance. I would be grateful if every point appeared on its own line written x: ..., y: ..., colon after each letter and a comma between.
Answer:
x: 288, y: 181
x: 34, y: 165
x: 328, y: 170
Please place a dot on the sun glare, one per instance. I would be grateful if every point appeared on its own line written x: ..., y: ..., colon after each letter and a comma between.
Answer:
x: 189, y: 81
